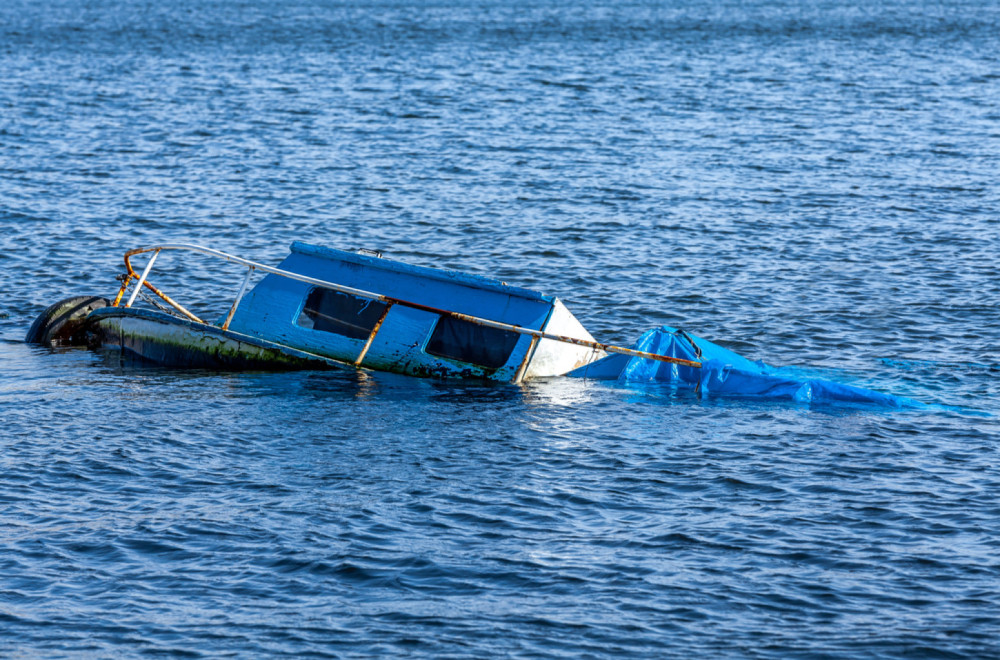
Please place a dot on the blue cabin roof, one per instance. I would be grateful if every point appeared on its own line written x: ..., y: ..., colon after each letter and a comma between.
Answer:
x: 316, y: 267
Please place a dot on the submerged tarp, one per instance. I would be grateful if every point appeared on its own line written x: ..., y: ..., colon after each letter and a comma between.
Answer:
x: 725, y: 372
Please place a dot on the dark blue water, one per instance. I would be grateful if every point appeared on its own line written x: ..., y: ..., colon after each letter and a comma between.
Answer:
x: 808, y: 183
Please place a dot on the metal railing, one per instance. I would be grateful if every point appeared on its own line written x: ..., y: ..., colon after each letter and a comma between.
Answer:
x: 252, y: 266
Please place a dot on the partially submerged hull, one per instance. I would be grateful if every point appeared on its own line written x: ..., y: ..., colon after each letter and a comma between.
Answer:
x: 328, y: 309
x: 169, y: 341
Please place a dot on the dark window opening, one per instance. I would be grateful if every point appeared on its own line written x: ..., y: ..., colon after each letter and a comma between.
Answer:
x: 340, y: 313
x: 469, y: 342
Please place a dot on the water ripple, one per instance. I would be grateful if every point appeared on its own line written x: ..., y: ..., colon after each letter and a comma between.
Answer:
x: 808, y: 184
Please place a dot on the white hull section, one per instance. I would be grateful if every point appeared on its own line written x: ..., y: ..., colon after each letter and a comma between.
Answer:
x: 554, y: 358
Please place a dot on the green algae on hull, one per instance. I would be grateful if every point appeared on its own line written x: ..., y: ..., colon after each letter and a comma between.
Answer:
x: 169, y: 341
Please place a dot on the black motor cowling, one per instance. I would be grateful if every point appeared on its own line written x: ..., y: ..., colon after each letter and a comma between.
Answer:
x: 63, y: 323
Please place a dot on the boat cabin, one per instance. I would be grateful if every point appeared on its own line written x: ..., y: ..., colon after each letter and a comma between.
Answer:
x: 416, y: 326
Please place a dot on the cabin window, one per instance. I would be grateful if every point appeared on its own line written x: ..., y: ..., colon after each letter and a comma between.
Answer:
x: 469, y: 342
x: 340, y: 313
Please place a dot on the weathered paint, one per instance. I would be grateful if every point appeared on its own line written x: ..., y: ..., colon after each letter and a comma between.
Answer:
x: 170, y: 341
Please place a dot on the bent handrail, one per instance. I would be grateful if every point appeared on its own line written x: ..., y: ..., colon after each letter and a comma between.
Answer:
x: 253, y: 265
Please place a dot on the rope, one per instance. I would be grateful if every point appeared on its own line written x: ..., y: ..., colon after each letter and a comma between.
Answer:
x: 684, y: 335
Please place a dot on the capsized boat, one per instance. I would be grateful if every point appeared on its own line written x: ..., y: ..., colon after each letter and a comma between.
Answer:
x: 323, y: 308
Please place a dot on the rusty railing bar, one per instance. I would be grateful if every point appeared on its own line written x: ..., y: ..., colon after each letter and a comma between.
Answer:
x: 131, y: 275
x: 121, y: 292
x: 371, y: 337
x: 523, y: 368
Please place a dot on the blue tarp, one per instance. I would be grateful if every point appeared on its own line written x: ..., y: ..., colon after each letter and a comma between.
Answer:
x: 726, y: 372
